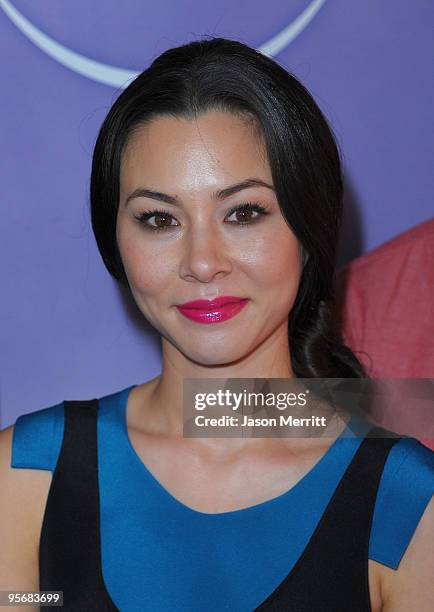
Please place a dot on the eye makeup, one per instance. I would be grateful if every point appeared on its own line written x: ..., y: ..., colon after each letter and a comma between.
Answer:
x: 245, y: 208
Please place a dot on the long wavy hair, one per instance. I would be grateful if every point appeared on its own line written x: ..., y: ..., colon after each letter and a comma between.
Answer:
x: 227, y: 75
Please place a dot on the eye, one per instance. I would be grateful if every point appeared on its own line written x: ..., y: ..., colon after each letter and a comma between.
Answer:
x: 245, y: 211
x: 162, y: 215
x: 163, y: 218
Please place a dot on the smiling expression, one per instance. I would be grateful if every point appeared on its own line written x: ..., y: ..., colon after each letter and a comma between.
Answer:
x: 198, y: 218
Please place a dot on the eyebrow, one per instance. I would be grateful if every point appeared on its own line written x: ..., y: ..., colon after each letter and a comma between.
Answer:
x: 222, y: 194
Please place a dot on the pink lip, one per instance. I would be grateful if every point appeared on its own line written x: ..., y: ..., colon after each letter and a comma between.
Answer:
x: 212, y: 311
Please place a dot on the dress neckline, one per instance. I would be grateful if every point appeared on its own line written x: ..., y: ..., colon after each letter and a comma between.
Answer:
x: 304, y: 481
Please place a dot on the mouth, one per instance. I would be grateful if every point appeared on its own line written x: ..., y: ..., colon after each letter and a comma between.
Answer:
x: 212, y: 311
x: 210, y: 304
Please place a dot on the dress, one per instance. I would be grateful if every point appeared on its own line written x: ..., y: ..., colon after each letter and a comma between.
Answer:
x: 157, y: 554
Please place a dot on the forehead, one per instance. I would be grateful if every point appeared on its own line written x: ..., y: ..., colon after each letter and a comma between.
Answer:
x: 216, y: 146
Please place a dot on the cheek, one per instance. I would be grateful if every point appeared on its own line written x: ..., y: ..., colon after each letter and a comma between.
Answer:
x: 275, y: 261
x: 148, y: 271
x: 278, y: 274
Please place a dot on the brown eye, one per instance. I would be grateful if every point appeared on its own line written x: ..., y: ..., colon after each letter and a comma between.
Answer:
x: 162, y: 220
x: 244, y: 213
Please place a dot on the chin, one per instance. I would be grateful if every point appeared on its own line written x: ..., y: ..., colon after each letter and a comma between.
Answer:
x: 211, y: 356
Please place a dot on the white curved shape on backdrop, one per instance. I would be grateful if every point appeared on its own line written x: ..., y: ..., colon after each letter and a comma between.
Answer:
x: 276, y: 44
x: 97, y: 71
x: 120, y: 77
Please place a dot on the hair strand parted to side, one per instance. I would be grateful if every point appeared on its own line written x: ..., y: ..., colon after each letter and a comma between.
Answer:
x: 227, y: 75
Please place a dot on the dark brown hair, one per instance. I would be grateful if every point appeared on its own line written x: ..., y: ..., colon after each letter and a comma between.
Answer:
x: 222, y: 74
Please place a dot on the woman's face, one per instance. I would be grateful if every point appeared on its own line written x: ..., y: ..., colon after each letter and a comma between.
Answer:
x: 206, y: 251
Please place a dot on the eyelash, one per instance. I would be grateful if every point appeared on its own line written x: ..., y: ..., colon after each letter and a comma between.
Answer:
x: 247, y: 206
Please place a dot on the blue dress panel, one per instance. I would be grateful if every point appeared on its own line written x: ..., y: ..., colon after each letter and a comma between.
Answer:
x: 156, y: 549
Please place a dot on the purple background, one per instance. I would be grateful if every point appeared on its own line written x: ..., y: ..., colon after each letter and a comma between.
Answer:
x: 67, y: 331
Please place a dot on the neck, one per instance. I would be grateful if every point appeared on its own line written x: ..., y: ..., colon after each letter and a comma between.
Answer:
x: 165, y: 392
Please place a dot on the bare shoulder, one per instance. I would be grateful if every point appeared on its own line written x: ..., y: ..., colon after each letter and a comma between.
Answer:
x: 23, y: 495
x: 411, y: 586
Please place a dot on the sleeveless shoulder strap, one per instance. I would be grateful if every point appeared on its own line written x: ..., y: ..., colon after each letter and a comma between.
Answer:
x: 332, y: 573
x: 70, y: 552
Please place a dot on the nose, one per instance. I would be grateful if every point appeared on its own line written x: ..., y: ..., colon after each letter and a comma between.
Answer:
x: 205, y: 255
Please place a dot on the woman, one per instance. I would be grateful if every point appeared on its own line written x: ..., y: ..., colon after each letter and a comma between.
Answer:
x: 215, y: 174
